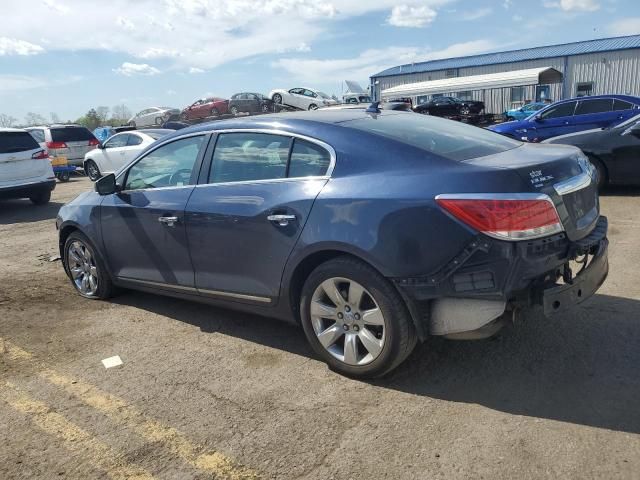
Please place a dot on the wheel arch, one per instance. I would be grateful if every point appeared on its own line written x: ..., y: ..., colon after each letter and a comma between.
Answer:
x: 308, y: 263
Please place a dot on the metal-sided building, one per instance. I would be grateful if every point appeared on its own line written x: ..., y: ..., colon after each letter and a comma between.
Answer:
x: 510, y: 79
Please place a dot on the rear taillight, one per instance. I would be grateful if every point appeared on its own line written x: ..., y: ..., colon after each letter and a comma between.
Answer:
x: 505, y: 216
x: 56, y: 145
x: 40, y: 155
x: 93, y: 142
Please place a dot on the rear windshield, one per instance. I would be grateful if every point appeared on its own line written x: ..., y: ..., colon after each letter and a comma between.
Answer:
x: 11, y: 142
x: 71, y: 134
x: 446, y: 138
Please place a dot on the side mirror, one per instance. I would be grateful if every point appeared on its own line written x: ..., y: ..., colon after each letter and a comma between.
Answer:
x: 100, y: 146
x: 106, y: 185
x: 538, y: 118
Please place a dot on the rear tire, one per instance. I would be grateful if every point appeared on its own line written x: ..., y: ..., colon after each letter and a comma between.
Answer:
x: 41, y: 198
x: 132, y: 124
x: 64, y: 176
x: 87, y: 265
x: 158, y: 121
x: 214, y: 112
x: 379, y: 314
x: 603, y: 175
x: 313, y: 106
x: 234, y: 111
x: 277, y: 98
x: 92, y: 171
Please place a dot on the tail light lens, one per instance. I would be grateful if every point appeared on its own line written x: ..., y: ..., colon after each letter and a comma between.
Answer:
x: 40, y: 155
x: 56, y: 145
x: 507, y: 217
x: 94, y: 142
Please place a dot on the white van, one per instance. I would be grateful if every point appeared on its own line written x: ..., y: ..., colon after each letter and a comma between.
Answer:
x: 25, y: 169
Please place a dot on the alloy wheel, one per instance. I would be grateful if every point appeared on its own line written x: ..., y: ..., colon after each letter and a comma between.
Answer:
x: 347, y: 321
x: 83, y: 269
x: 92, y: 171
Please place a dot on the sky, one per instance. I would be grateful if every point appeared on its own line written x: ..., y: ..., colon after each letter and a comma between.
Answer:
x: 67, y: 56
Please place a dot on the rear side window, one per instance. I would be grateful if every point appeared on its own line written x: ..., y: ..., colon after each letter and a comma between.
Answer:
x: 308, y: 160
x: 117, y: 141
x: 601, y: 105
x: 71, y: 134
x: 621, y: 105
x: 241, y: 157
x: 448, y: 139
x: 562, y: 110
x: 12, y: 142
x: 134, y: 140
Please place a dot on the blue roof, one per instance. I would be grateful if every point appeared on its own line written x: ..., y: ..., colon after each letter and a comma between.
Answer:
x: 535, y: 53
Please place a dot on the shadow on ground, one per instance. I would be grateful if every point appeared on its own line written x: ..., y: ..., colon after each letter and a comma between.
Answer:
x: 580, y: 368
x: 620, y: 191
x: 23, y: 211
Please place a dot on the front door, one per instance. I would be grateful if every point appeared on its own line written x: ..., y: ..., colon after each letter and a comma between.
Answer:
x: 551, y: 122
x: 112, y: 152
x: 143, y: 226
x: 244, y: 222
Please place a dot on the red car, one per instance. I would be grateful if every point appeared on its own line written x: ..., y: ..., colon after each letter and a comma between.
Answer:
x: 205, y: 107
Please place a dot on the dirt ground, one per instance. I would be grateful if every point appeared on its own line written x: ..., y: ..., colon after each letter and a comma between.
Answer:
x: 210, y: 393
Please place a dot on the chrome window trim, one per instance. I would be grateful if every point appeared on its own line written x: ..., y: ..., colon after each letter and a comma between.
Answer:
x: 185, y: 288
x: 325, y: 145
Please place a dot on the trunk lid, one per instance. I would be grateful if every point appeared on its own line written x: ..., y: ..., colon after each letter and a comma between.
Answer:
x: 559, y: 171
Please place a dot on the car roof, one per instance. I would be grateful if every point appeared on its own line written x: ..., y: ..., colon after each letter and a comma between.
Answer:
x: 10, y: 129
x: 627, y: 98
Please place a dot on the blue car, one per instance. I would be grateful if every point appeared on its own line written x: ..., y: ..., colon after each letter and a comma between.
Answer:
x: 372, y: 229
x: 524, y: 111
x: 570, y: 116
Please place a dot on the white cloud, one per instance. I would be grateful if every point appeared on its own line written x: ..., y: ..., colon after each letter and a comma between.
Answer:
x: 13, y: 83
x: 303, y: 47
x: 476, y: 14
x: 13, y: 46
x: 506, y: 4
x: 413, y: 17
x: 130, y: 69
x: 574, y: 5
x: 517, y: 18
x: 371, y: 61
x: 626, y: 26
x: 193, y: 70
x: 190, y: 33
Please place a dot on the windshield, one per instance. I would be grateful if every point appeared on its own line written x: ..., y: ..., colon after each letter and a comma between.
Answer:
x: 446, y: 138
x: 323, y: 95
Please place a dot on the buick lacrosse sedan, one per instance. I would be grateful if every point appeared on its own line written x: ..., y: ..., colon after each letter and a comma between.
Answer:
x: 372, y: 229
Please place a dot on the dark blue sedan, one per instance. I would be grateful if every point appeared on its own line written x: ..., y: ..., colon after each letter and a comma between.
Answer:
x: 570, y: 116
x: 372, y: 229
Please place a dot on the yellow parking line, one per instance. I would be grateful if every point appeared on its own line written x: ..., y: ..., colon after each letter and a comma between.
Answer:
x: 100, y: 455
x: 118, y: 410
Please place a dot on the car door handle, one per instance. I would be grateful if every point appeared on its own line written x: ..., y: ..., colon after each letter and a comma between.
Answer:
x: 168, y: 221
x: 281, y: 220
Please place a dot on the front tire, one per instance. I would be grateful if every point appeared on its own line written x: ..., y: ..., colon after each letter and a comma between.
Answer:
x: 91, y: 170
x: 277, y: 98
x: 85, y: 268
x: 41, y: 198
x: 234, y: 111
x: 313, y: 106
x: 355, y: 320
x: 465, y: 111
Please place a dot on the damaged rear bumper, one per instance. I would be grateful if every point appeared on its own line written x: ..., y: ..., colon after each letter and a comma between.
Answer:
x: 511, y: 275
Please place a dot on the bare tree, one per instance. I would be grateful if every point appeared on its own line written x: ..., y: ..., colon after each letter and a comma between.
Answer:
x: 31, y: 119
x: 54, y: 117
x: 121, y: 113
x: 103, y: 114
x: 7, y: 120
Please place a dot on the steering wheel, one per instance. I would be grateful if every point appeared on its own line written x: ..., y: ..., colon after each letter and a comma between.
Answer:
x: 175, y: 176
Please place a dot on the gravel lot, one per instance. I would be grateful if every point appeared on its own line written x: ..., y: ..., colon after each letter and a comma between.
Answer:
x: 210, y: 393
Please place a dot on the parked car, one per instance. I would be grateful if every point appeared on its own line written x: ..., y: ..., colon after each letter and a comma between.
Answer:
x: 67, y: 144
x: 570, y: 116
x: 25, y: 170
x: 248, y: 102
x: 371, y: 230
x: 402, y: 106
x: 356, y: 98
x: 119, y: 150
x: 204, y: 108
x: 154, y: 116
x: 615, y: 151
x: 449, y: 107
x: 302, y: 98
x: 524, y: 111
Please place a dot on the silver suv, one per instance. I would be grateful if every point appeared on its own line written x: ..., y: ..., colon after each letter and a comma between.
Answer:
x: 68, y: 141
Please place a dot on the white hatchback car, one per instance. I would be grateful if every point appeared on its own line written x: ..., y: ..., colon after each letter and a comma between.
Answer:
x: 25, y: 169
x: 119, y: 150
x: 303, y: 98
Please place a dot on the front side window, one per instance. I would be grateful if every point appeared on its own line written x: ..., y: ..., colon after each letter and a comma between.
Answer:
x: 117, y: 141
x: 241, y: 157
x: 562, y: 110
x: 308, y: 160
x: 170, y: 165
x: 594, y: 106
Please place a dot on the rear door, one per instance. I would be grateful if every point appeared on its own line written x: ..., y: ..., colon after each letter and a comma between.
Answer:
x: 17, y: 165
x: 245, y: 218
x: 553, y: 121
x: 595, y: 113
x: 143, y: 226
